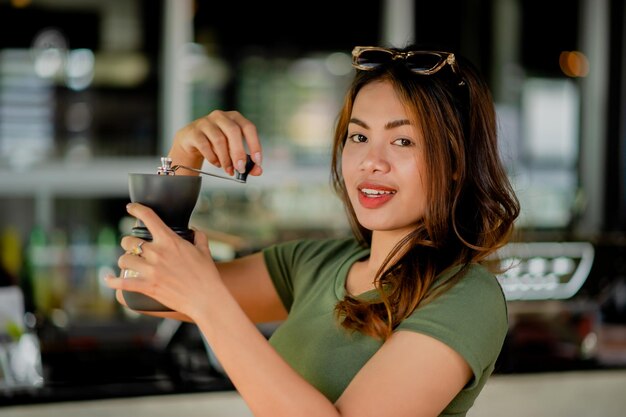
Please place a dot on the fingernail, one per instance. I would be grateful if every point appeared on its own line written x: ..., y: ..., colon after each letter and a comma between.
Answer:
x: 257, y: 158
x: 241, y: 166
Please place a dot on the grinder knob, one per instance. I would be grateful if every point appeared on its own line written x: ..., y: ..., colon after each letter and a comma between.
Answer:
x: 249, y: 166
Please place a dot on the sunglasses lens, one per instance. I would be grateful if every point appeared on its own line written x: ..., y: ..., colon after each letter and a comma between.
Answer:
x: 423, y: 61
x: 373, y: 58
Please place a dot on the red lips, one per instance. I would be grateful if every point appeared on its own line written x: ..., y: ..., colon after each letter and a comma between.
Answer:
x: 373, y: 195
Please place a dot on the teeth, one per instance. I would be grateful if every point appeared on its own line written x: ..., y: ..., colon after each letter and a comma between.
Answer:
x: 370, y: 191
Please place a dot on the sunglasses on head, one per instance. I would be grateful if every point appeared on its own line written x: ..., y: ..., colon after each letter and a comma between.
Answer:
x: 367, y: 58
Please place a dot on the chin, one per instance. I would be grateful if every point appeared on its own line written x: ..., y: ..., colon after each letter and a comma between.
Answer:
x: 376, y: 224
x: 381, y: 226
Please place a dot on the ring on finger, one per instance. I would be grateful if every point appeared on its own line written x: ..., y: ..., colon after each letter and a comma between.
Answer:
x: 137, y: 249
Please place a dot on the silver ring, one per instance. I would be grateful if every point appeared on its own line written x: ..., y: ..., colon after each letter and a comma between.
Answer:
x: 137, y: 249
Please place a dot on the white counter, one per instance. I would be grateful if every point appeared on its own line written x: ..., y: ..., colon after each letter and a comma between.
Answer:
x: 572, y: 394
x: 214, y: 404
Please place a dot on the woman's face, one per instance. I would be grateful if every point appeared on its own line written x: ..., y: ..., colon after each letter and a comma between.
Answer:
x: 383, y: 162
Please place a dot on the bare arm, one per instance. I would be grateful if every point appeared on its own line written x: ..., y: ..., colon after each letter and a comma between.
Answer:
x: 411, y: 375
x: 248, y: 281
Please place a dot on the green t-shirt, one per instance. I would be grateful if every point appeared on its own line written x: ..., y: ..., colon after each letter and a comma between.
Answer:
x: 310, y: 275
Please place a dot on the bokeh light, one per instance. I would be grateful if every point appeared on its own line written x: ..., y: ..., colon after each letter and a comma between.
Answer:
x: 574, y: 64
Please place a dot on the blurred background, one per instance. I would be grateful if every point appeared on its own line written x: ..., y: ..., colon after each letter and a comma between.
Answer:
x: 91, y: 91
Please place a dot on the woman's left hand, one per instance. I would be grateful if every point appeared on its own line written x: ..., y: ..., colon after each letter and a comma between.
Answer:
x: 171, y: 270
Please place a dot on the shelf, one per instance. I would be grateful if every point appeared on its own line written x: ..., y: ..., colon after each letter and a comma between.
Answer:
x: 108, y: 177
x: 101, y: 177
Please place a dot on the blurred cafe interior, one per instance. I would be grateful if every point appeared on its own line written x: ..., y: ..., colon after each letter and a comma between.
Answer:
x: 92, y: 90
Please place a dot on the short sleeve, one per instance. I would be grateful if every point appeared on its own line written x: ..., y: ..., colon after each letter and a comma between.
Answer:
x: 296, y: 266
x: 280, y: 260
x: 470, y: 317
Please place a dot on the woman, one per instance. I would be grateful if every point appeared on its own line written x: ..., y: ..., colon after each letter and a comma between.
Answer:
x: 400, y: 319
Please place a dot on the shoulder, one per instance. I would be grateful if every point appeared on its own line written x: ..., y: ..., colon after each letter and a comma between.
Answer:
x: 474, y: 281
x: 479, y: 281
x: 470, y: 316
x: 477, y: 295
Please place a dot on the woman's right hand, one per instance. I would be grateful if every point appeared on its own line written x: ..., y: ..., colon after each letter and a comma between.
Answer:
x: 221, y: 138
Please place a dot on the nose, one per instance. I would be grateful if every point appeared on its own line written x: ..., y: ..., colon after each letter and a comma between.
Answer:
x: 375, y: 160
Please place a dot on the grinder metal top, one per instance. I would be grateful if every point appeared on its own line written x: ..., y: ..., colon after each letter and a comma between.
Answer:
x: 166, y: 168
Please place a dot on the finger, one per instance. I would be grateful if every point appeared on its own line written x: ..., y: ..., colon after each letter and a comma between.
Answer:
x: 119, y: 296
x: 131, y: 243
x: 256, y: 170
x: 235, y: 133
x: 201, y: 241
x: 221, y: 131
x: 195, y: 142
x: 130, y: 262
x: 201, y: 142
x: 155, y: 225
x: 251, y: 136
x: 121, y: 284
x: 216, y: 127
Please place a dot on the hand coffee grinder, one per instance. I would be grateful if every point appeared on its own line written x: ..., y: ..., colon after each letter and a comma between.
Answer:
x: 173, y: 198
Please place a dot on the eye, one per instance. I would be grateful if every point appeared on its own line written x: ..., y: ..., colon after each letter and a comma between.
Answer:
x: 357, y: 138
x: 403, y: 142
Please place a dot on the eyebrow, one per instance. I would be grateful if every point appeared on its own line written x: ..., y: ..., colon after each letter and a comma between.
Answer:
x: 390, y: 125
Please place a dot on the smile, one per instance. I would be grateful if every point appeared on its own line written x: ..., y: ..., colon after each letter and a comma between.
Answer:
x: 370, y: 192
x: 373, y: 197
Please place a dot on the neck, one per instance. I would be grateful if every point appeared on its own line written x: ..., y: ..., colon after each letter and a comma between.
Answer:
x: 382, y: 244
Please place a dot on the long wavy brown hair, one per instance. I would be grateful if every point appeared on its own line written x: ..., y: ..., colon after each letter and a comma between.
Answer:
x: 471, y: 206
